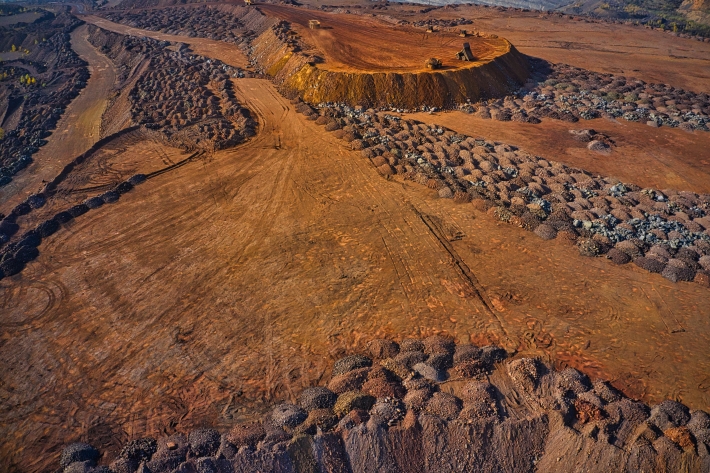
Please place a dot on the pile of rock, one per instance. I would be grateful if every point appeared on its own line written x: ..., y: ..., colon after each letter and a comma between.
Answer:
x: 569, y: 93
x: 59, y: 75
x: 16, y: 254
x: 429, y: 406
x: 187, y: 97
x: 441, y: 23
x: 554, y: 200
x: 202, y: 21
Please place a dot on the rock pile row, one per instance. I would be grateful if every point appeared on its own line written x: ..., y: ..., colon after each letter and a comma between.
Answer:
x: 188, y: 98
x: 59, y: 75
x: 202, y: 22
x: 14, y: 256
x: 569, y: 93
x: 434, y: 406
x: 441, y: 23
x: 667, y: 231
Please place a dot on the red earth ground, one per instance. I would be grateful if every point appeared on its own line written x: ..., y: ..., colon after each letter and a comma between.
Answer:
x: 234, y: 280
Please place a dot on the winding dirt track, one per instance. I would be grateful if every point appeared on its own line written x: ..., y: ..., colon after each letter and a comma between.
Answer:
x: 76, y: 131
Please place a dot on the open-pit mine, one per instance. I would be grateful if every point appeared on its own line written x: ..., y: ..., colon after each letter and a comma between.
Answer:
x: 359, y: 236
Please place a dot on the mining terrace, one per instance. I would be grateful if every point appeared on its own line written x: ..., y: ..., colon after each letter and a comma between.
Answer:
x: 366, y: 61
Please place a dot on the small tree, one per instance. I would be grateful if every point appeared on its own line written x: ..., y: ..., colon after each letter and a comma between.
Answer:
x: 2, y: 134
x: 13, y: 48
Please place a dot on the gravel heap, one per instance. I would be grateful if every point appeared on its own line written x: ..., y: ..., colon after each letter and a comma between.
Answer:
x: 14, y: 256
x: 189, y: 98
x: 442, y: 23
x: 433, y: 406
x: 603, y: 216
x: 59, y: 75
x: 569, y: 93
x: 203, y: 22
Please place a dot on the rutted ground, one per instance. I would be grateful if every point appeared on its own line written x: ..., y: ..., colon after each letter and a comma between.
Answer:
x: 243, y: 272
x: 234, y: 280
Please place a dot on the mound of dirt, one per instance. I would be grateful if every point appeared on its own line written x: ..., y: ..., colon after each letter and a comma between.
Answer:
x: 522, y: 416
x: 277, y: 52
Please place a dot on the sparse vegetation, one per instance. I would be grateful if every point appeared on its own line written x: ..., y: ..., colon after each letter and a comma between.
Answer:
x: 27, y: 80
x: 37, y: 110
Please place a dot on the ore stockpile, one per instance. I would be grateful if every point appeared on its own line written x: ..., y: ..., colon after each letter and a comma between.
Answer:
x: 202, y: 22
x: 188, y: 98
x: 665, y: 232
x: 433, y: 406
x: 571, y: 94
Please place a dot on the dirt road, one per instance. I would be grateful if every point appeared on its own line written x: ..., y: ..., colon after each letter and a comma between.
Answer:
x: 285, y: 250
x: 235, y: 279
x: 76, y: 131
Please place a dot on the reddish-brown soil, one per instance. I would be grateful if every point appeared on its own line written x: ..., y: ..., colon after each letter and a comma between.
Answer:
x: 627, y: 50
x: 661, y: 158
x: 225, y: 52
x: 234, y: 280
x: 366, y: 44
x: 77, y: 130
x: 242, y: 272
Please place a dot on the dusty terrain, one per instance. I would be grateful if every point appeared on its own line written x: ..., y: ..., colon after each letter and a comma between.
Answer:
x: 227, y: 53
x: 358, y: 43
x: 628, y: 50
x: 670, y: 158
x: 429, y: 405
x: 234, y: 280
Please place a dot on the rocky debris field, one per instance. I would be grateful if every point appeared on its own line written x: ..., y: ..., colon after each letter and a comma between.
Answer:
x: 570, y: 93
x: 36, y: 88
x: 440, y: 23
x: 432, y: 405
x: 189, y: 98
x: 662, y: 231
x: 203, y: 22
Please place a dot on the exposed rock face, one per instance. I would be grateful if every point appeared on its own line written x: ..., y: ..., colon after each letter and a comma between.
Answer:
x: 512, y: 416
